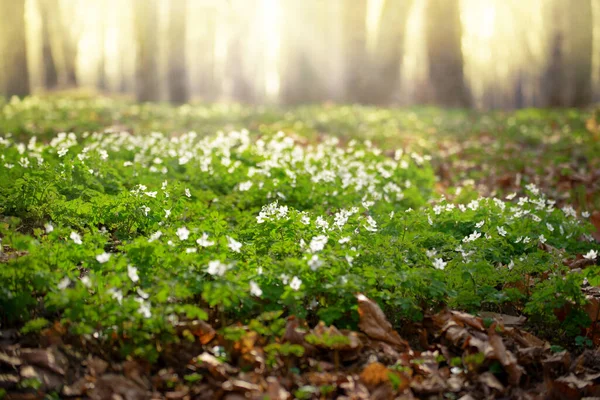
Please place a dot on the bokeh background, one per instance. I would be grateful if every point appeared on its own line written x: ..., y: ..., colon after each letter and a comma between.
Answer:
x: 455, y: 53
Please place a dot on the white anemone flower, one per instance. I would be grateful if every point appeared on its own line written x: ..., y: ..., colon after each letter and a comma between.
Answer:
x: 295, y: 283
x: 102, y: 258
x: 501, y: 231
x: 318, y: 243
x: 132, y: 272
x: 233, y: 244
x: 64, y: 283
x: 183, y: 233
x: 440, y: 264
x: 216, y: 267
x: 203, y: 241
x: 255, y: 290
x: 75, y: 237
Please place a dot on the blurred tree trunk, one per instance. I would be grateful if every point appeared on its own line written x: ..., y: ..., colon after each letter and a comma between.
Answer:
x: 64, y: 44
x: 59, y: 46
x: 443, y: 40
x: 240, y: 86
x: 554, y: 80
x: 580, y: 41
x: 47, y: 17
x: 554, y: 77
x: 202, y: 59
x: 567, y: 80
x: 13, y: 48
x: 355, y: 50
x: 146, y: 22
x: 242, y: 90
x: 387, y: 59
x: 301, y: 82
x: 178, y: 82
x: 102, y: 79
x: 70, y: 50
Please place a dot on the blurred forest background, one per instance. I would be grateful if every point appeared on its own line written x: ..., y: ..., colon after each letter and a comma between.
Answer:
x: 455, y: 53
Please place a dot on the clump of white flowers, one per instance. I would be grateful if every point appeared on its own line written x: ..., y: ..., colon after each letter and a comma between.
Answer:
x: 295, y: 283
x: 75, y: 237
x: 371, y: 224
x: 183, y: 233
x: 272, y: 212
x: 233, y: 244
x: 439, y: 263
x: 132, y: 273
x: 255, y: 290
x: 318, y: 243
x: 217, y: 268
x: 103, y: 258
x: 203, y: 240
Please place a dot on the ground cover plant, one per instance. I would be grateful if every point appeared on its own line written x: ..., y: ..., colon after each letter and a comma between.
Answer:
x: 129, y: 237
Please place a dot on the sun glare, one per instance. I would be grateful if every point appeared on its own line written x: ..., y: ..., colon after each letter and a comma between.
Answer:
x: 502, y: 41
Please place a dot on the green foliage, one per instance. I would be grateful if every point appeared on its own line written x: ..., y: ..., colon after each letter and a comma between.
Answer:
x: 35, y: 325
x: 121, y: 236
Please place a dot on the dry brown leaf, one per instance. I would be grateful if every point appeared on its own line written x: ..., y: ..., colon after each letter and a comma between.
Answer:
x: 51, y: 359
x: 275, y: 391
x: 96, y: 366
x: 579, y: 262
x: 488, y: 379
x: 430, y: 385
x: 202, y: 330
x: 374, y: 323
x: 374, y: 374
x: 9, y: 360
x: 468, y: 319
x: 178, y: 394
x: 239, y: 385
x: 246, y: 343
x: 137, y: 371
x: 507, y: 359
x: 321, y: 331
x: 50, y: 381
x: 592, y: 307
x: 504, y: 319
x: 78, y: 388
x: 217, y: 368
x: 112, y: 386
x: 526, y: 339
x: 294, y: 335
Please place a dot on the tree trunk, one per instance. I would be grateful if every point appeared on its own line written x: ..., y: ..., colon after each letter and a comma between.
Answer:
x: 387, y: 59
x: 146, y: 21
x: 178, y: 78
x: 355, y: 57
x: 553, y: 80
x: 301, y: 82
x: 202, y: 59
x: 208, y: 82
x: 240, y: 86
x: 242, y: 89
x: 68, y: 40
x: 580, y: 48
x: 70, y: 52
x: 101, y: 67
x: 13, y: 51
x: 50, y: 74
x: 444, y: 52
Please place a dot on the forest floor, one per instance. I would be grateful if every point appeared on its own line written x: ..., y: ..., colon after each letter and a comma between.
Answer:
x: 361, y: 253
